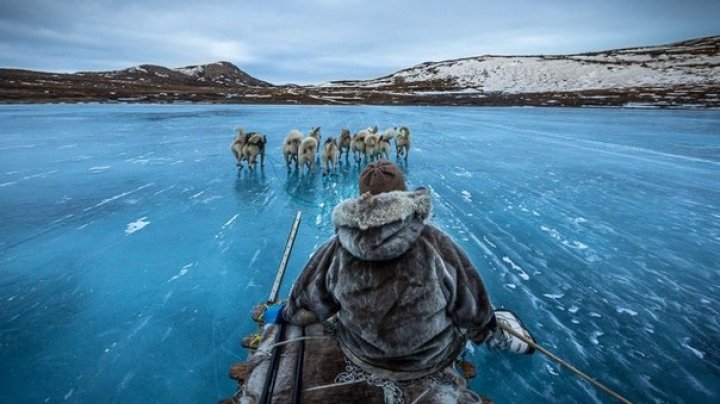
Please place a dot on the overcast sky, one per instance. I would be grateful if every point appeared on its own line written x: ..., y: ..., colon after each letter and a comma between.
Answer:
x: 313, y: 41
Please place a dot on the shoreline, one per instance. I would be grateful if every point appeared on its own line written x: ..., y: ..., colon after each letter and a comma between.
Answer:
x: 688, y: 107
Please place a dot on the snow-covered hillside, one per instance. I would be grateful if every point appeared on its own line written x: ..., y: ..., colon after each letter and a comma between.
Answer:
x: 689, y: 63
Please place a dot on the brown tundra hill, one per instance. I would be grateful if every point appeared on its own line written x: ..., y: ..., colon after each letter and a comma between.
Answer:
x: 682, y: 74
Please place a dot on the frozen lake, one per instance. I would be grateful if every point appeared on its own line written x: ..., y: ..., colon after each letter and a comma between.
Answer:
x: 132, y: 250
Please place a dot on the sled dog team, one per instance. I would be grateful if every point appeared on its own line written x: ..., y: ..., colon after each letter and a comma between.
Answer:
x: 366, y: 145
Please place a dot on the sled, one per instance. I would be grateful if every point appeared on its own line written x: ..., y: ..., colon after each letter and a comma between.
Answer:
x: 310, y: 368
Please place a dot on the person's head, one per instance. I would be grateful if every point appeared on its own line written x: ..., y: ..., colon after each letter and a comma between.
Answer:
x: 381, y: 176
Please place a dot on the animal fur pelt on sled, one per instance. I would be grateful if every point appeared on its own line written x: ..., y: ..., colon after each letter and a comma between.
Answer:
x: 323, y: 361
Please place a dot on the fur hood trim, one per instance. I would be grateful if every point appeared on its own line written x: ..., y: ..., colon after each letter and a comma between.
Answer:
x: 370, y: 211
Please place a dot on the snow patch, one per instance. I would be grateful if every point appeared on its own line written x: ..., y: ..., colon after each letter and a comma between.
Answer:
x: 482, y: 245
x: 575, y: 244
x: 254, y: 258
x: 536, y: 74
x: 515, y: 267
x: 191, y: 71
x: 489, y: 242
x: 461, y: 172
x: 231, y: 221
x: 116, y: 197
x: 579, y: 220
x: 551, y: 370
x: 553, y: 233
x: 136, y: 225
x: 40, y: 175
x: 183, y: 271
x: 627, y: 311
x: 697, y: 352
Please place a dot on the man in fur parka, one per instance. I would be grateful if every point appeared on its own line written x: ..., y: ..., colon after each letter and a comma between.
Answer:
x: 406, y: 296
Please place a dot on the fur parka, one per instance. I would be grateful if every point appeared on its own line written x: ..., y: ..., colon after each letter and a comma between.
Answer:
x: 405, y: 295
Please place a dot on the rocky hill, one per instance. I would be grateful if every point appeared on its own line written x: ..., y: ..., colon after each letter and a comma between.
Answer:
x: 683, y: 74
x: 213, y: 82
x: 215, y: 74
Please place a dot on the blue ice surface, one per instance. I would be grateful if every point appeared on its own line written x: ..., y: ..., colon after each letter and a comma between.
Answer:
x: 132, y: 249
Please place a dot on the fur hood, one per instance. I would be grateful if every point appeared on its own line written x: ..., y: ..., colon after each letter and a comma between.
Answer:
x: 384, y: 226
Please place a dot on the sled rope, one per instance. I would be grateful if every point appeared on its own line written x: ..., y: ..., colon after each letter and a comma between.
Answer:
x: 266, y: 350
x: 572, y: 368
x: 331, y: 385
x: 417, y: 400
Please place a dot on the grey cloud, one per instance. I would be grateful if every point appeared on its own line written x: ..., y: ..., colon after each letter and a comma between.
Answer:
x: 320, y: 40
